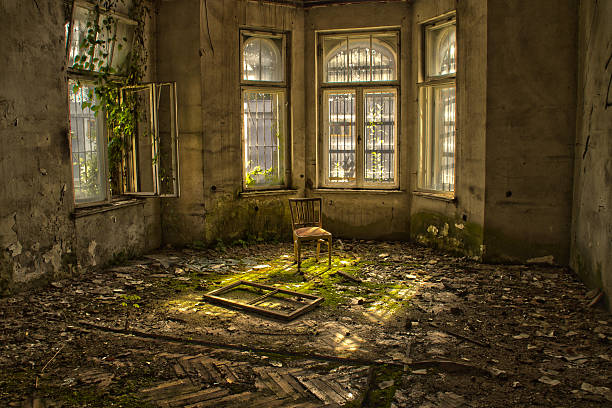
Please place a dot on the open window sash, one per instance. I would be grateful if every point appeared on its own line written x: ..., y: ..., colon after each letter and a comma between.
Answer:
x: 150, y: 156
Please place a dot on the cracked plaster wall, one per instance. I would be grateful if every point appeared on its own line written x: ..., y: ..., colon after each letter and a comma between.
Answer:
x: 591, y: 239
x: 38, y: 236
x: 36, y: 232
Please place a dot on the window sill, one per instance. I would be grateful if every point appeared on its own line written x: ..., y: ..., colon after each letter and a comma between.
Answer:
x: 447, y: 197
x: 355, y: 190
x: 259, y: 193
x: 86, y: 211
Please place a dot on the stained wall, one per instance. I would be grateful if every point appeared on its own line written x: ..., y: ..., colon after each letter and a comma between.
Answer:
x: 42, y: 237
x: 530, y: 129
x: 206, y: 67
x: 454, y: 224
x: 591, y: 234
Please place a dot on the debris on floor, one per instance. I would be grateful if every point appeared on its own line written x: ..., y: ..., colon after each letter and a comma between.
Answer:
x: 399, y: 325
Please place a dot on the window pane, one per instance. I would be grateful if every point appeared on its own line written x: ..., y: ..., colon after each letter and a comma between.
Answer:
x: 113, y: 42
x: 82, y: 26
x: 360, y: 58
x: 139, y: 174
x: 441, y: 50
x: 336, y: 66
x: 264, y: 145
x: 167, y: 149
x: 262, y: 59
x: 104, y: 42
x: 437, y: 165
x: 379, y: 136
x: 86, y: 146
x: 341, y: 136
x: 383, y: 57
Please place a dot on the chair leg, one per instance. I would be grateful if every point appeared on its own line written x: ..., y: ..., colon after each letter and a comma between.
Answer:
x: 295, y: 252
x: 318, y: 248
x: 299, y: 249
x: 329, y: 244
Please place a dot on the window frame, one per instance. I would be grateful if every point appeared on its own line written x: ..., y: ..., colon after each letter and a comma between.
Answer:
x: 131, y: 176
x: 274, y: 87
x: 359, y: 88
x: 102, y: 153
x: 120, y: 17
x: 89, y: 77
x: 426, y: 87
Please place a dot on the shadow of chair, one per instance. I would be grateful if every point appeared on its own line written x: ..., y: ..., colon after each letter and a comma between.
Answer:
x: 307, y: 226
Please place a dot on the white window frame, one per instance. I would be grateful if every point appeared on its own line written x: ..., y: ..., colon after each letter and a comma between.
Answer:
x: 130, y: 182
x: 427, y: 87
x: 102, y: 156
x: 274, y: 87
x: 359, y: 88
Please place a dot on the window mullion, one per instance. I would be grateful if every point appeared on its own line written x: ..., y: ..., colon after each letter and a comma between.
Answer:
x: 359, y: 149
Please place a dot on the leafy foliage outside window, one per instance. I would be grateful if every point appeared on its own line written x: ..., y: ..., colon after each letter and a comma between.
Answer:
x: 376, y: 136
x: 92, y: 56
x: 268, y: 175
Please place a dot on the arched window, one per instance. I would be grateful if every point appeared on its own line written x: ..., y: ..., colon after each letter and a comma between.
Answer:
x: 441, y: 50
x: 359, y: 124
x: 262, y: 60
x: 445, y: 56
x: 264, y: 98
x: 360, y: 58
x: 437, y: 109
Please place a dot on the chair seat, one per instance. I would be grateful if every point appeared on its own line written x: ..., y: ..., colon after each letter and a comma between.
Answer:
x: 311, y: 232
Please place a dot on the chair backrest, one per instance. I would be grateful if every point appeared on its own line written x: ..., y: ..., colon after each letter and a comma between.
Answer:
x: 305, y: 212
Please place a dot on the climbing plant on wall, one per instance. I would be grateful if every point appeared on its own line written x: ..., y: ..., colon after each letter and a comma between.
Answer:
x: 97, y: 41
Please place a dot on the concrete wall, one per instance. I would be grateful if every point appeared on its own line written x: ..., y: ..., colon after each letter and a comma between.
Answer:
x: 591, y: 239
x: 360, y: 214
x: 455, y: 225
x: 129, y: 229
x: 206, y: 67
x: 38, y: 231
x: 531, y: 97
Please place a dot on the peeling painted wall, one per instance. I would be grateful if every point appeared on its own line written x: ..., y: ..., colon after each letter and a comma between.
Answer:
x: 121, y: 233
x: 36, y: 232
x: 591, y: 239
x: 531, y: 99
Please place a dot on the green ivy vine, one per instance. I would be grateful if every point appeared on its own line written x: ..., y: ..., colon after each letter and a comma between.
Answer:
x: 92, y: 59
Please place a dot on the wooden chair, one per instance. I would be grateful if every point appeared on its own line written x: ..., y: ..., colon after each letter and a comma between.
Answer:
x: 306, y: 224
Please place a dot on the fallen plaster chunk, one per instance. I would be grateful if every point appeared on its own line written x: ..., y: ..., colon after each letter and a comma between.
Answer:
x: 549, y: 259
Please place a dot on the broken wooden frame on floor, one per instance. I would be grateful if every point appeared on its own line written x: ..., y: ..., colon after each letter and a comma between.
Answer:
x: 297, y: 303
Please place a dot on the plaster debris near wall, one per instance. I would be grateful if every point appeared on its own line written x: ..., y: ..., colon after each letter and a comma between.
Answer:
x: 91, y: 249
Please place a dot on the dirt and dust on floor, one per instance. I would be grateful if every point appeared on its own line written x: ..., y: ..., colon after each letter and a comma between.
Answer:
x: 399, y: 326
